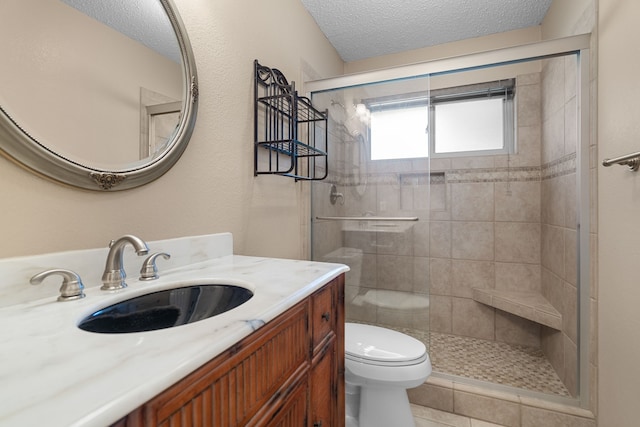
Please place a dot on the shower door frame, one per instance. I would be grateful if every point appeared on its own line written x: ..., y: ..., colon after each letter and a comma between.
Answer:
x: 575, y: 45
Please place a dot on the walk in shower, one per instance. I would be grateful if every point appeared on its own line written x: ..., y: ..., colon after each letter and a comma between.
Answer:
x: 457, y: 193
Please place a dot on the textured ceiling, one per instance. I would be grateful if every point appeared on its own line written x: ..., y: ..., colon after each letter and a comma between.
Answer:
x: 360, y: 29
x: 141, y: 20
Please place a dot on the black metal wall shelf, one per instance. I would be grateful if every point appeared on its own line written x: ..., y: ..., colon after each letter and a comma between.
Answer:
x: 290, y: 135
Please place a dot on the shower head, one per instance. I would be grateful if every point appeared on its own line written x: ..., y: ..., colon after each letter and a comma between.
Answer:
x: 337, y: 103
x: 337, y: 111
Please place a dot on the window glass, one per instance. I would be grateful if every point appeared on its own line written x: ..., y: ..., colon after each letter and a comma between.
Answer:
x: 398, y: 133
x: 472, y: 125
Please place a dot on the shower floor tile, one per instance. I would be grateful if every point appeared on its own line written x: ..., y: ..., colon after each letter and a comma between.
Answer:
x: 495, y: 362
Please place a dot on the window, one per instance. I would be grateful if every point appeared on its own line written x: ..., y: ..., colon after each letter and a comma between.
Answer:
x: 464, y: 121
x: 475, y: 125
x: 399, y: 133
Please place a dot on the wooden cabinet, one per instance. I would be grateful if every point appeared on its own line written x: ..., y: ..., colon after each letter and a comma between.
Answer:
x: 289, y: 373
x: 324, y: 408
x: 326, y: 388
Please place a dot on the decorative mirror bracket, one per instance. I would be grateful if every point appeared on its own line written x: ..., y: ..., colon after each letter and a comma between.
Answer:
x: 107, y: 180
x: 194, y: 90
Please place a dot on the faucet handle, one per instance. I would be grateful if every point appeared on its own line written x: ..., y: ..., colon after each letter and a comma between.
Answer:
x: 149, y: 271
x: 72, y: 287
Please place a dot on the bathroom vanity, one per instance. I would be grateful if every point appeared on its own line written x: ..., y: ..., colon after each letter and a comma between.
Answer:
x: 275, y: 360
x: 287, y: 372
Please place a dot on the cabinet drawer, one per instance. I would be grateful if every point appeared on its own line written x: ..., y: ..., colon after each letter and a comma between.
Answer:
x: 323, y: 313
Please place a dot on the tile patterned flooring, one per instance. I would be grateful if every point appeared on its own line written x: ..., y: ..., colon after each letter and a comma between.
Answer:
x: 427, y: 417
x: 510, y: 365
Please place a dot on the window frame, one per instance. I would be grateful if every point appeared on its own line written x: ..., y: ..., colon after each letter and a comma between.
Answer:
x: 504, y: 89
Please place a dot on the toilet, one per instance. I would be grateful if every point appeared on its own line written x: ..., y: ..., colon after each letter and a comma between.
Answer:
x: 381, y: 365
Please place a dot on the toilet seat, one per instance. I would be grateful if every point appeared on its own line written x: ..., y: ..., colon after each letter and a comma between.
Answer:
x: 380, y: 346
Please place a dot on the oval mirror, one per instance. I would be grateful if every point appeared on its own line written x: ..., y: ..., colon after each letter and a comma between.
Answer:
x: 98, y: 95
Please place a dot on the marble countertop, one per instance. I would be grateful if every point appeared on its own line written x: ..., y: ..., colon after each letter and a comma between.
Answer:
x: 54, y: 374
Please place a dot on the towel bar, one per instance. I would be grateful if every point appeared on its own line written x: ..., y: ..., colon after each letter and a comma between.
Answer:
x: 368, y: 218
x: 632, y: 160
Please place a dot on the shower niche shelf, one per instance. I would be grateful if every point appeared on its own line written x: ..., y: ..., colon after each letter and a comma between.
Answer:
x: 290, y: 134
x: 528, y: 305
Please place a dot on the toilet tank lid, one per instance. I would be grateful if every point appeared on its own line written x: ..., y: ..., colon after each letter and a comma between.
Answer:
x: 381, y: 344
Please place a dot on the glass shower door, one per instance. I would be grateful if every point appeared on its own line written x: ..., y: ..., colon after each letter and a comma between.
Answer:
x: 371, y: 213
x: 478, y: 246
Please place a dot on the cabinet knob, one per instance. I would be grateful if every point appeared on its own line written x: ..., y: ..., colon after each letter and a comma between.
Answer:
x: 325, y: 316
x: 317, y: 424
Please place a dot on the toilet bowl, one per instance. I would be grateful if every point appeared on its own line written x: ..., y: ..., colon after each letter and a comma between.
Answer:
x: 381, y: 365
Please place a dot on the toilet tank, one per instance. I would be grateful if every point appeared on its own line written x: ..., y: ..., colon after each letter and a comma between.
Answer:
x: 351, y: 257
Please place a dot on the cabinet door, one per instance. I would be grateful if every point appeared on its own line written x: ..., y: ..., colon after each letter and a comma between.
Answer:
x: 324, y: 390
x: 234, y: 387
x: 294, y: 412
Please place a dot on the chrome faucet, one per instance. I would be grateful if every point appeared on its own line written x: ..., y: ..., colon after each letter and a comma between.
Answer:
x: 113, y: 276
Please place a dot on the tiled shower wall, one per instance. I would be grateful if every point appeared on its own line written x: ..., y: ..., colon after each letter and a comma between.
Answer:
x: 559, y: 215
x: 486, y: 232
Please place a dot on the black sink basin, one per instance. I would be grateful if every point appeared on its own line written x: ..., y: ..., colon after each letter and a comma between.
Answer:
x: 166, y: 309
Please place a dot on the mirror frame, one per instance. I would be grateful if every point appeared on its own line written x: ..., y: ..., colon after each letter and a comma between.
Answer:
x: 17, y: 145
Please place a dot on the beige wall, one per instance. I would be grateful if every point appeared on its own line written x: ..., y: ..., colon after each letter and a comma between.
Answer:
x: 619, y: 210
x: 568, y: 17
x: 212, y: 187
